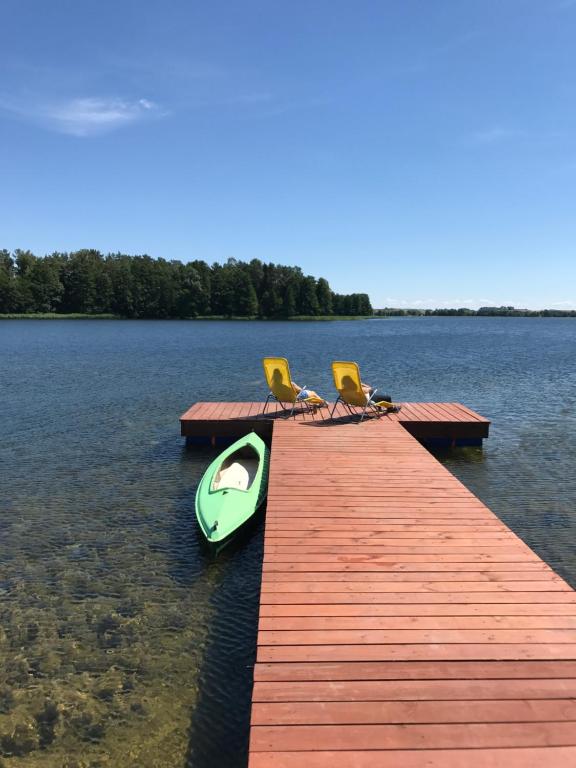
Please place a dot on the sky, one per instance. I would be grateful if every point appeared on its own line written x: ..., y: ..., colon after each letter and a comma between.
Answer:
x: 423, y: 151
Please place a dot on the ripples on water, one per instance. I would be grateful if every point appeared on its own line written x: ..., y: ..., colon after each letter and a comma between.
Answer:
x: 123, y: 642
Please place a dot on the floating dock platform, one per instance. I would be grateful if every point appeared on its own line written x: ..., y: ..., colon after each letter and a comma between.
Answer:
x: 402, y: 624
x: 431, y: 423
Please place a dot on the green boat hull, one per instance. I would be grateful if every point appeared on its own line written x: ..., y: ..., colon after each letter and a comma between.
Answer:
x: 232, y: 489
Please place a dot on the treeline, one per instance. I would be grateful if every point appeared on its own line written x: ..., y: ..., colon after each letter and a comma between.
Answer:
x: 89, y: 282
x: 483, y: 311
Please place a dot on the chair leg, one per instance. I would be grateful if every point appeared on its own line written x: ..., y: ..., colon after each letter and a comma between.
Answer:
x: 350, y: 410
x: 334, y: 407
x: 304, y: 404
x: 373, y: 408
x: 266, y: 403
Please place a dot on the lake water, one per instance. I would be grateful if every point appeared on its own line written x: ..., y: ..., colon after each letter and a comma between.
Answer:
x: 122, y: 642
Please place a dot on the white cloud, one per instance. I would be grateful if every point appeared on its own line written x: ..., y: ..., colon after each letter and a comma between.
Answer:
x: 88, y: 115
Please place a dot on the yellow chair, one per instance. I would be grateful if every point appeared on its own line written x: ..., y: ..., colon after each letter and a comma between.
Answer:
x: 277, y: 372
x: 350, y: 393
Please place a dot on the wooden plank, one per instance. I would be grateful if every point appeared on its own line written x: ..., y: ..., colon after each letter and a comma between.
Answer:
x: 400, y: 513
x: 375, y: 531
x: 337, y: 570
x: 411, y: 537
x: 553, y: 757
x: 420, y: 609
x: 377, y: 559
x: 209, y: 409
x: 400, y: 712
x: 407, y: 736
x: 415, y: 690
x: 358, y: 588
x: 418, y: 652
x: 415, y: 598
x: 468, y: 412
x: 367, y: 577
x: 414, y: 636
x: 278, y: 623
x: 414, y: 670
x: 384, y: 549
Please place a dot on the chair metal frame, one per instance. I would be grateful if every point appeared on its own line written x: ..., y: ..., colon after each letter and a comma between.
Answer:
x: 298, y: 399
x: 370, y: 403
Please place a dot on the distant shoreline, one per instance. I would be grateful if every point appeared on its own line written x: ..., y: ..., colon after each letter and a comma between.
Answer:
x: 77, y: 316
x: 544, y: 313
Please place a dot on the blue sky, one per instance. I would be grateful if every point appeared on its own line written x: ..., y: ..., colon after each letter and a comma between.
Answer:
x: 423, y: 150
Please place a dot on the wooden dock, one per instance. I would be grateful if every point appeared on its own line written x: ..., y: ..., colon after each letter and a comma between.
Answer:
x: 432, y: 423
x: 402, y: 624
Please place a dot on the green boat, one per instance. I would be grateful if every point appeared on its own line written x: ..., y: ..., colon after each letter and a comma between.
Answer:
x: 232, y: 488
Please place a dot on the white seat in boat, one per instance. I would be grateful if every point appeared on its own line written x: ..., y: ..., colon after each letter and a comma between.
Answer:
x: 237, y: 475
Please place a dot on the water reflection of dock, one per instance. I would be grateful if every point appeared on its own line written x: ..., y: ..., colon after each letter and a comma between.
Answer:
x: 402, y: 624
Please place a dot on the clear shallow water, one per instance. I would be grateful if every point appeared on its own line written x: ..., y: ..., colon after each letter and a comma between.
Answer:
x: 122, y: 641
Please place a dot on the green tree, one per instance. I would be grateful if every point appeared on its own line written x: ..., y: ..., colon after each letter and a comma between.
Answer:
x: 6, y: 263
x: 103, y: 289
x: 255, y: 269
x: 80, y: 279
x: 222, y: 293
x: 308, y: 300
x: 7, y: 286
x: 154, y: 292
x: 168, y: 286
x: 365, y: 305
x: 271, y: 303
x: 43, y: 278
x: 205, y: 275
x: 139, y: 286
x: 289, y: 303
x: 324, y: 295
x: 23, y: 298
x: 191, y: 300
x: 245, y: 299
x: 119, y: 268
x: 24, y: 262
x: 270, y: 298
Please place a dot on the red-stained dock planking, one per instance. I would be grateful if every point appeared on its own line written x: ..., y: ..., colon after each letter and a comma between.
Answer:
x: 402, y: 624
x: 448, y: 423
